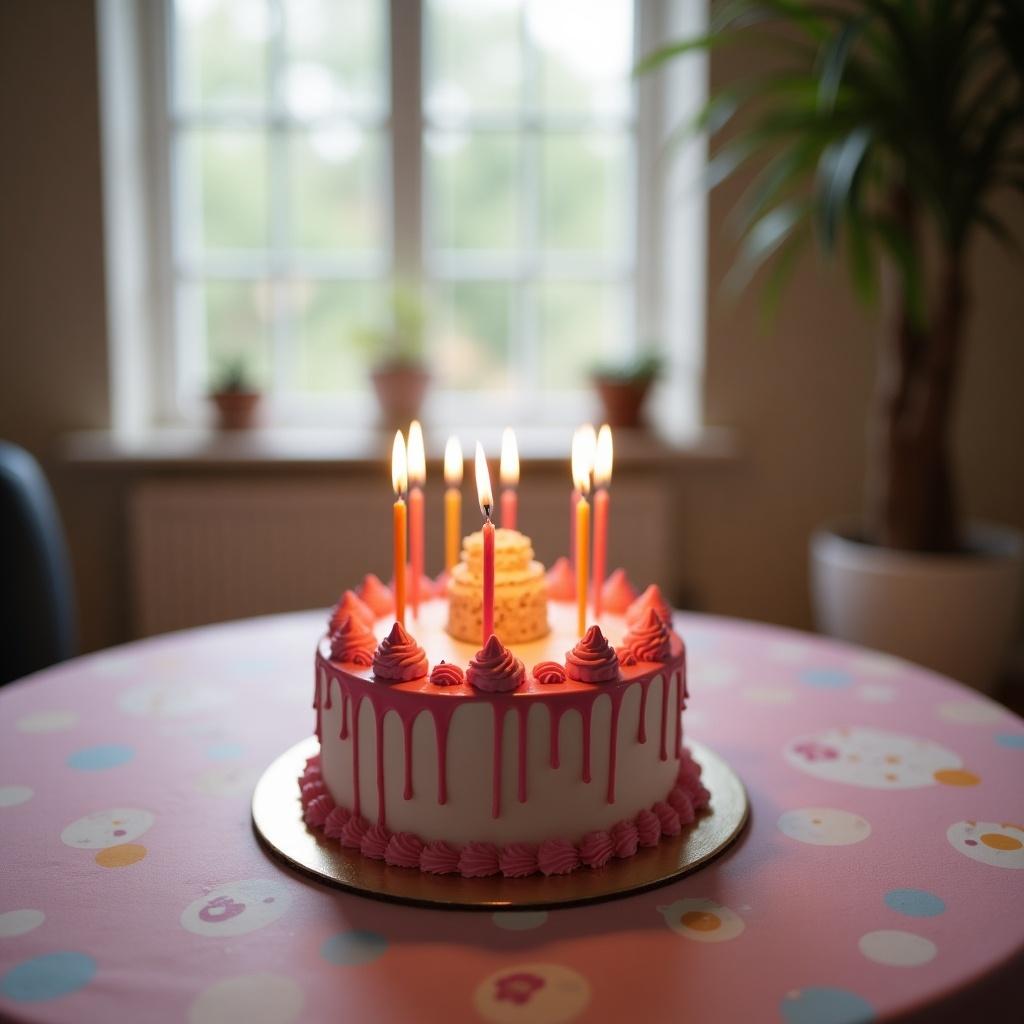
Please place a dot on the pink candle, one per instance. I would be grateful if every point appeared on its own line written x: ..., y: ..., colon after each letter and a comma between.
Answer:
x: 509, y: 475
x: 483, y: 490
x: 509, y: 508
x: 602, y: 481
x: 417, y: 477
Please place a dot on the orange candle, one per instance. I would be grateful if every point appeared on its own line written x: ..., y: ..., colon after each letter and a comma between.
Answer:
x: 602, y: 484
x: 483, y: 489
x: 452, y: 502
x: 417, y: 478
x: 586, y: 438
x: 509, y: 473
x: 582, y: 462
x: 400, y: 482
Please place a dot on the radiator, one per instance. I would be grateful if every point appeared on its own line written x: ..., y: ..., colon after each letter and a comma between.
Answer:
x: 205, y: 550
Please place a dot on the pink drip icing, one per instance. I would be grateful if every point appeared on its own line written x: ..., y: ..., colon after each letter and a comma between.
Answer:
x: 319, y: 726
x: 378, y: 729
x: 407, y: 724
x: 641, y: 732
x: 556, y: 729
x: 679, y: 714
x: 613, y: 742
x: 664, y: 714
x: 586, y: 713
x: 327, y: 701
x: 523, y: 712
x: 345, y: 701
x: 442, y: 720
x: 355, y: 702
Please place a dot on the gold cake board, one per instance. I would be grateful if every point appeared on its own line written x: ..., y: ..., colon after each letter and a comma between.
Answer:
x: 277, y: 820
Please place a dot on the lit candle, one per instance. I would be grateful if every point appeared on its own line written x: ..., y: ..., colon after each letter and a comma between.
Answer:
x: 509, y: 473
x: 602, y: 486
x: 582, y: 463
x: 417, y: 478
x: 588, y: 441
x: 483, y: 490
x: 452, y: 502
x: 400, y: 482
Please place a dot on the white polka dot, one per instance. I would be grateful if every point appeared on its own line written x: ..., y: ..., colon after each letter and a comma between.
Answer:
x: 879, y: 664
x: 970, y: 712
x: 48, y: 721
x: 18, y: 922
x: 897, y: 949
x: 513, y: 921
x: 770, y: 694
x: 11, y: 796
x: 789, y: 652
x: 824, y: 826
x: 253, y: 998
x: 876, y: 693
x: 225, y: 780
x: 532, y: 993
x: 236, y: 908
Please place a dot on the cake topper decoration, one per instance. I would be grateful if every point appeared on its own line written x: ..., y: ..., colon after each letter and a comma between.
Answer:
x: 352, y: 641
x: 351, y: 604
x: 618, y: 593
x: 649, y: 639
x: 376, y: 595
x: 560, y: 582
x: 399, y: 658
x: 593, y: 659
x: 650, y: 598
x: 495, y: 669
x: 445, y: 673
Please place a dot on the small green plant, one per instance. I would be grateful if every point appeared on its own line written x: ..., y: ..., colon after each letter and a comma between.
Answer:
x: 397, y: 342
x: 643, y: 366
x: 234, y: 377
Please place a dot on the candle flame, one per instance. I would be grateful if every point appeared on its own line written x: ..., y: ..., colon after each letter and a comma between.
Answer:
x: 417, y: 454
x: 509, y: 471
x: 453, y: 462
x: 483, y: 482
x: 603, y: 457
x: 582, y: 459
x: 399, y: 471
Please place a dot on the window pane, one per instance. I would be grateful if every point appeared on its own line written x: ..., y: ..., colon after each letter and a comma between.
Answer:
x: 330, y: 319
x: 584, y: 54
x: 336, y: 57
x: 585, y: 192
x: 336, y: 183
x: 221, y: 49
x: 236, y: 317
x: 471, y: 342
x: 224, y: 189
x: 580, y: 324
x: 474, y: 189
x: 473, y: 56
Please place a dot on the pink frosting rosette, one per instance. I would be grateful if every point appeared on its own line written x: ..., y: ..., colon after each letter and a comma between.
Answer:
x: 557, y: 857
x: 549, y: 672
x: 670, y: 824
x: 336, y: 822
x: 478, y: 860
x: 309, y: 791
x: 318, y: 809
x: 626, y: 657
x: 593, y: 659
x: 353, y: 831
x: 624, y: 838
x: 439, y: 858
x: 376, y: 595
x: 517, y: 860
x: 352, y: 642
x: 560, y: 581
x: 495, y: 669
x: 650, y: 598
x: 596, y: 849
x: 399, y: 658
x: 648, y: 828
x: 649, y: 638
x: 445, y: 673
x: 617, y: 593
x: 404, y: 850
x: 374, y: 842
x: 349, y: 604
x: 681, y: 803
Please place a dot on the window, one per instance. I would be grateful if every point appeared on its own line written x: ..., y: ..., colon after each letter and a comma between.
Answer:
x: 304, y: 154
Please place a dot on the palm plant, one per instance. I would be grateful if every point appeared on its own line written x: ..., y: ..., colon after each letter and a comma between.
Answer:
x: 885, y: 128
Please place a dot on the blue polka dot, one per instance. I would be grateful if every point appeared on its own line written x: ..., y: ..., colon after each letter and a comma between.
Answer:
x: 914, y: 902
x: 351, y: 948
x: 826, y: 678
x: 825, y: 1006
x: 98, y: 759
x: 48, y: 977
x: 225, y: 751
x: 1013, y: 740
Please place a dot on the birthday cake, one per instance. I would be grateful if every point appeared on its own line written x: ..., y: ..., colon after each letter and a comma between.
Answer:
x: 536, y: 751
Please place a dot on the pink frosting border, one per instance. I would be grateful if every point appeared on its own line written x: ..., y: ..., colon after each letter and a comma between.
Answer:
x: 516, y: 860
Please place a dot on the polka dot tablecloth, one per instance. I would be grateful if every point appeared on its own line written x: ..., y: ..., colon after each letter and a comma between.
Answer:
x: 882, y: 872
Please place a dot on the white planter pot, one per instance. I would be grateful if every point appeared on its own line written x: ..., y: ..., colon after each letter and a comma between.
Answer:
x: 957, y: 614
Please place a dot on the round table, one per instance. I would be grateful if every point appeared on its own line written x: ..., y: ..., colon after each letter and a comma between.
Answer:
x: 880, y: 874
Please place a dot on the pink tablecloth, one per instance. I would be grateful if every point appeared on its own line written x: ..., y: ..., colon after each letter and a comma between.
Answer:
x: 881, y: 871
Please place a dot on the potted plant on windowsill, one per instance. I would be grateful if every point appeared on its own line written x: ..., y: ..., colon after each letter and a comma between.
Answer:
x: 236, y: 396
x: 888, y: 127
x: 395, y: 356
x: 623, y: 387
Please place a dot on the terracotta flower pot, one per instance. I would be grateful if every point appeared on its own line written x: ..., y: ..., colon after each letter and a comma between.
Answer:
x: 623, y: 400
x: 400, y: 391
x: 236, y: 410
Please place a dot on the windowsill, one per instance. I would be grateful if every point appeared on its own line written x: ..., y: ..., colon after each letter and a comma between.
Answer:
x: 276, y: 448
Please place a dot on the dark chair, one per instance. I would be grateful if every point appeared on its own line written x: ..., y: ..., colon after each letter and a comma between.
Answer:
x: 37, y: 611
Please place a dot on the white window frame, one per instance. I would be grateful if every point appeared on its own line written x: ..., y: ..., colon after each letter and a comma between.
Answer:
x: 669, y: 247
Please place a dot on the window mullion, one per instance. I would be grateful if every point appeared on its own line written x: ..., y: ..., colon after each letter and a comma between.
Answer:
x: 526, y: 305
x: 406, y: 101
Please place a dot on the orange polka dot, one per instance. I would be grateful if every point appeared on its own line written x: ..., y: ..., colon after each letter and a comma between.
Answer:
x: 1000, y: 842
x: 700, y: 921
x: 120, y: 856
x: 956, y: 777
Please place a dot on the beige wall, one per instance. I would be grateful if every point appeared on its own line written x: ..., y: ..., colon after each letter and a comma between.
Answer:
x: 797, y: 395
